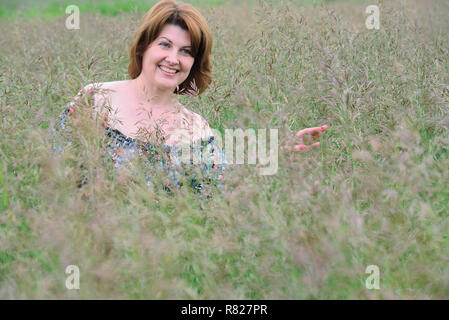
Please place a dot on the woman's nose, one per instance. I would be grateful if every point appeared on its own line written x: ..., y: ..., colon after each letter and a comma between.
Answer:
x: 172, y: 57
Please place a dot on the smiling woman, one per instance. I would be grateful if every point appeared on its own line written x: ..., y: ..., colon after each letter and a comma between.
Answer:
x: 169, y: 54
x: 166, y: 63
x: 190, y: 30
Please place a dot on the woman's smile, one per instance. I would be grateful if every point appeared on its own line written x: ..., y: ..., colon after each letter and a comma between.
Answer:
x: 170, y: 72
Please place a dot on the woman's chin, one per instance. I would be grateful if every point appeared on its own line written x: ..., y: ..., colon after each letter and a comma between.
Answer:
x: 164, y: 86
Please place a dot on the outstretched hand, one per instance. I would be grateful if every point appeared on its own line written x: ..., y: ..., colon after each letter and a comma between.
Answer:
x: 309, y: 134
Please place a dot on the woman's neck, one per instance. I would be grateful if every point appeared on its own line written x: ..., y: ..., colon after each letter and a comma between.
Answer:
x: 152, y: 98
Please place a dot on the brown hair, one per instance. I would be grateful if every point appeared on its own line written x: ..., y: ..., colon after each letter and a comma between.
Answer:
x: 188, y: 18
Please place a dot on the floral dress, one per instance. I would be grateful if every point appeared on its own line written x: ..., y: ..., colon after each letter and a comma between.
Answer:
x: 123, y: 150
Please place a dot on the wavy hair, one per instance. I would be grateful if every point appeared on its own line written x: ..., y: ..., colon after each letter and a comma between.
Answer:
x: 188, y: 18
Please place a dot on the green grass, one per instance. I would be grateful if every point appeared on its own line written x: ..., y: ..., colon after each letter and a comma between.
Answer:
x: 54, y: 9
x: 4, y: 199
x: 374, y: 193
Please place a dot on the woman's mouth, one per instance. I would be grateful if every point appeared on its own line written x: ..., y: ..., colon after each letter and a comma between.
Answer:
x: 167, y: 71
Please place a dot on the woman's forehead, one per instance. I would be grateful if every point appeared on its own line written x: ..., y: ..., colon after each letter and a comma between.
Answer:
x: 175, y: 34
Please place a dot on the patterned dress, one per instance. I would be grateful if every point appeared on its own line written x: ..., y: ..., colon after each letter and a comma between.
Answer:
x: 171, y: 159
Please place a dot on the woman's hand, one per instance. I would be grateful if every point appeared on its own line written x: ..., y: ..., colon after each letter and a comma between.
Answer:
x: 309, y: 134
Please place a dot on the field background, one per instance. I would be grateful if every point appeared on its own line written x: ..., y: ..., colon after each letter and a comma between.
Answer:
x: 376, y: 191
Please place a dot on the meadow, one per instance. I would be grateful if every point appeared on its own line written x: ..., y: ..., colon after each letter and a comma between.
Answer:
x: 375, y: 192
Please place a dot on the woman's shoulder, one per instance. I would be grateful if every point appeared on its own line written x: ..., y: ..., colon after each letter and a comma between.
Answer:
x: 192, y: 127
x: 103, y: 93
x: 104, y: 88
x: 196, y: 122
x: 107, y: 85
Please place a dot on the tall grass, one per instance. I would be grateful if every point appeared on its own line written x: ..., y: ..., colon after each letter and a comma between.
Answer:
x: 374, y: 193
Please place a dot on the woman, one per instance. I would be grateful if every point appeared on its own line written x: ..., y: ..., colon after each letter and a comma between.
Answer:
x: 170, y: 54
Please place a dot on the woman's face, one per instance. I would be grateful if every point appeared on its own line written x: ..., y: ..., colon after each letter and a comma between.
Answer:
x: 167, y: 60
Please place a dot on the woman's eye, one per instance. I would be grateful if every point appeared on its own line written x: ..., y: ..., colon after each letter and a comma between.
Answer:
x: 168, y: 45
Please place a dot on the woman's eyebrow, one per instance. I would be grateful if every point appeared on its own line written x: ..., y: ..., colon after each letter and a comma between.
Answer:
x: 172, y: 42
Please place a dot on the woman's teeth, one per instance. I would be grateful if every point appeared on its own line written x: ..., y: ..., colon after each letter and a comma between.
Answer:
x: 169, y: 70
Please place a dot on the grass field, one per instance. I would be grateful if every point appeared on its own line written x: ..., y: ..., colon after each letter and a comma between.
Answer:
x: 376, y: 191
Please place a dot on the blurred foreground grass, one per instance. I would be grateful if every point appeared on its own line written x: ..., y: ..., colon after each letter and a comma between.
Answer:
x: 374, y: 193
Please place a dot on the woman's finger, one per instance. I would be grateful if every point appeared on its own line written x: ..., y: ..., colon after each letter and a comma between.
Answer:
x: 312, y: 130
x: 303, y: 131
x: 303, y: 147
